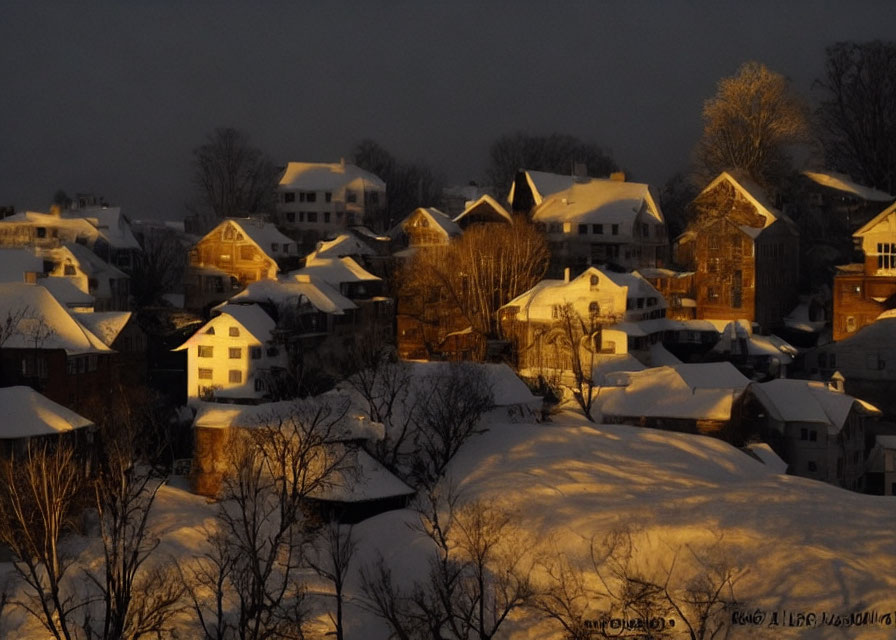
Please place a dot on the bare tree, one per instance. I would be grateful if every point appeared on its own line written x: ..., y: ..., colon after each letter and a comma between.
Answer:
x: 331, y: 558
x: 856, y: 117
x: 618, y: 587
x: 477, y: 577
x: 255, y: 554
x: 477, y: 274
x: 749, y: 124
x: 232, y: 177
x: 38, y: 498
x: 159, y: 268
x: 451, y: 404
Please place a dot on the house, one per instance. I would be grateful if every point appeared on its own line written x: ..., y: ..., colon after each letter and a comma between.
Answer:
x: 120, y: 248
x: 596, y: 221
x: 425, y: 227
x: 815, y: 427
x: 866, y: 359
x: 485, y: 210
x: 109, y: 286
x: 690, y: 398
x: 44, y: 346
x: 316, y: 199
x: 626, y: 311
x: 744, y: 252
x: 233, y: 355
x: 358, y: 487
x: 880, y: 474
x: 120, y: 331
x: 677, y: 287
x: 237, y: 252
x: 29, y: 416
x: 863, y: 291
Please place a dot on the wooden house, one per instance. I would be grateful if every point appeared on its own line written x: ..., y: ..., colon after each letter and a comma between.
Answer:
x: 745, y: 254
x: 863, y: 291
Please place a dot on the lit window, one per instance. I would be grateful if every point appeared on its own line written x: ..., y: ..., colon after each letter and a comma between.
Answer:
x: 235, y: 377
x: 205, y: 351
x: 235, y: 353
x: 886, y: 255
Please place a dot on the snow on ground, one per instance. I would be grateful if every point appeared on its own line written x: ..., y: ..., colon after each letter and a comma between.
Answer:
x: 805, y: 546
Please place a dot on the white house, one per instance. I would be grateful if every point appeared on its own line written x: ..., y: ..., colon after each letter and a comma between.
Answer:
x: 232, y: 355
x: 317, y: 198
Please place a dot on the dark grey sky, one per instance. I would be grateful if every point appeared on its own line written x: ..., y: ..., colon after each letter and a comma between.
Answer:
x: 111, y: 97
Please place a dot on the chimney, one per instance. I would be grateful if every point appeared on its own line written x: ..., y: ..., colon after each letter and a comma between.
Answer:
x: 566, y: 274
x: 837, y: 382
x: 618, y: 176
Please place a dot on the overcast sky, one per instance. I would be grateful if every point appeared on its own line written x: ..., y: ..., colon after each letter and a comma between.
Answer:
x: 112, y: 97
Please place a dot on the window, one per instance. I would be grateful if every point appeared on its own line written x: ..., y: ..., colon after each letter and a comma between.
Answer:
x: 233, y: 332
x: 615, y: 229
x: 255, y: 353
x: 712, y: 294
x: 350, y: 196
x: 275, y: 247
x: 326, y: 216
x: 41, y: 232
x: 812, y: 466
x: 328, y: 196
x: 593, y: 308
x: 886, y: 255
x: 259, y: 384
x: 312, y: 216
x: 210, y: 331
x: 234, y: 376
x: 583, y: 229
x: 289, y: 196
x: 206, y: 351
x: 205, y: 374
x: 247, y: 252
x: 311, y: 196
x: 301, y: 196
x: 594, y: 281
x: 597, y: 228
x: 301, y: 216
x: 804, y: 434
x: 640, y: 303
x: 69, y: 270
x: 234, y: 353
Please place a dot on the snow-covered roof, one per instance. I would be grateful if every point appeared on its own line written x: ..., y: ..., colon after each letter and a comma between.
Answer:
x: 106, y: 325
x: 317, y: 292
x: 334, y: 271
x: 14, y: 263
x: 322, y: 176
x: 790, y: 400
x: 46, y: 318
x: 214, y: 415
x: 434, y: 219
x: 263, y: 234
x: 543, y: 184
x: 110, y: 222
x: 484, y: 203
x: 75, y: 227
x: 842, y: 182
x: 27, y: 413
x: 364, y: 479
x: 712, y: 375
x: 663, y: 392
x: 753, y: 193
x: 67, y: 293
x: 342, y: 245
x: 92, y: 264
x: 876, y: 220
x: 252, y: 318
x: 599, y: 201
x: 507, y: 387
x: 768, y: 457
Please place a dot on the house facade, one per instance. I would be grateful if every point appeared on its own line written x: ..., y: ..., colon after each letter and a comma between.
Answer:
x: 235, y: 253
x: 863, y: 291
x: 316, y: 199
x: 745, y: 254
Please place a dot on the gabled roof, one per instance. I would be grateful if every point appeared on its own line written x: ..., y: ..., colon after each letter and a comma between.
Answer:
x: 14, y: 263
x: 343, y: 245
x: 66, y: 292
x: 790, y: 400
x: 46, y: 324
x: 315, y: 291
x: 323, y: 176
x: 599, y: 201
x: 79, y: 227
x: 754, y: 194
x: 363, y: 479
x: 662, y: 392
x: 106, y: 325
x: 27, y: 414
x: 251, y: 318
x: 91, y: 263
x: 543, y: 184
x: 110, y: 222
x: 263, y: 234
x: 434, y: 219
x: 334, y: 271
x: 876, y: 220
x: 842, y: 182
x: 485, y: 206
